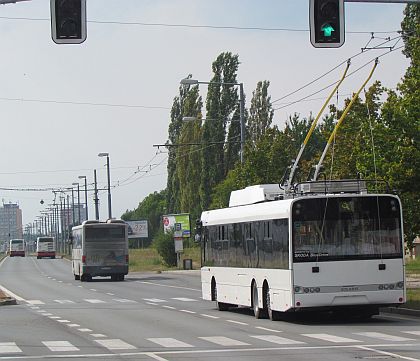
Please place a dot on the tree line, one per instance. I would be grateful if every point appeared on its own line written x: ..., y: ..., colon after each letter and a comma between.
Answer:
x: 379, y: 139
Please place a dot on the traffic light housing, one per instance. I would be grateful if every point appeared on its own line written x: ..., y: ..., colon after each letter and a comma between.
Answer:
x: 326, y: 19
x: 68, y: 21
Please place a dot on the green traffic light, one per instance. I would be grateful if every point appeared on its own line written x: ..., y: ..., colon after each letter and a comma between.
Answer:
x: 327, y: 29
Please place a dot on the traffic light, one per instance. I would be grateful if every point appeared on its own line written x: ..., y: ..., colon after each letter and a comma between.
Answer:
x: 68, y: 21
x: 326, y: 19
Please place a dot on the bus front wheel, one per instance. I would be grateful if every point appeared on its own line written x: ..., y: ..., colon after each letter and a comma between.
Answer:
x: 77, y: 277
x: 85, y: 278
x: 258, y: 312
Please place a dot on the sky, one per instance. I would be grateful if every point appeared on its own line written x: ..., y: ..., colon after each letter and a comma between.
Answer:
x: 61, y: 105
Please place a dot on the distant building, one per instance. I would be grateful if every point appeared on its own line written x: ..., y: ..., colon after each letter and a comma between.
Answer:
x: 10, y: 221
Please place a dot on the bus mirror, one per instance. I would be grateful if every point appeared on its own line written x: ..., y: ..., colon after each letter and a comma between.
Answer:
x: 198, y: 230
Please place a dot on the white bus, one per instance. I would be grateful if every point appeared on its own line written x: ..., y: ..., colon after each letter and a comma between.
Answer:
x: 17, y: 248
x: 331, y: 246
x: 100, y: 249
x: 45, y: 247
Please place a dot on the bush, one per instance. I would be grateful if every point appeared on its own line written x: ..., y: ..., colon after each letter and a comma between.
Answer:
x: 165, y: 245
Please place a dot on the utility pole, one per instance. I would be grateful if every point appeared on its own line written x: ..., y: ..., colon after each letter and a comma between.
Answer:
x: 96, y: 200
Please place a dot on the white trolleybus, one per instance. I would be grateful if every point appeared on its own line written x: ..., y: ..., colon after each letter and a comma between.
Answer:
x: 45, y: 247
x: 17, y: 248
x: 100, y: 249
x: 327, y: 246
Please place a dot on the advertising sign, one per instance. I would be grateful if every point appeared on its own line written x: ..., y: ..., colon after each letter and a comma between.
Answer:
x: 137, y: 229
x: 179, y: 223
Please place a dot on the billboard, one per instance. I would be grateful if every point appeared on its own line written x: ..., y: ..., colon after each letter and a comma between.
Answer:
x: 137, y: 229
x: 178, y: 223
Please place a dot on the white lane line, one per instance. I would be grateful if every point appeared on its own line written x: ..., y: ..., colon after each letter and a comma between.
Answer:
x: 184, y: 299
x: 53, y: 279
x: 209, y: 316
x: 329, y: 338
x: 224, y: 341
x: 98, y: 335
x: 60, y: 281
x: 47, y: 314
x: 9, y: 347
x: 54, y: 317
x: 64, y: 321
x: 187, y: 311
x: 35, y: 308
x: 63, y: 301
x: 115, y: 344
x: 393, y: 355
x: 111, y: 294
x: 167, y: 286
x: 84, y: 330
x: 277, y: 339
x: 73, y: 325
x: 169, y: 342
x: 383, y: 336
x: 35, y: 302
x: 267, y: 329
x: 169, y: 307
x: 156, y: 357
x: 237, y: 322
x: 80, y: 286
x: 11, y: 294
x: 151, y: 303
x: 94, y: 300
x: 123, y: 300
x: 60, y: 346
x: 92, y: 289
x: 156, y: 300
x: 417, y: 333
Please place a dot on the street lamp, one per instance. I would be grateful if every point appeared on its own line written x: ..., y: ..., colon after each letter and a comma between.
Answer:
x: 86, y: 202
x: 109, y: 182
x: 78, y: 200
x: 189, y: 81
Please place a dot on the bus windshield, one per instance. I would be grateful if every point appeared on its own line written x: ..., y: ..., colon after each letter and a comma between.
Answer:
x: 46, y: 239
x: 17, y: 241
x: 345, y: 228
x: 104, y: 234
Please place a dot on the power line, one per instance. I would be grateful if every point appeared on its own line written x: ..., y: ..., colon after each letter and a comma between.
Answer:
x: 194, y: 26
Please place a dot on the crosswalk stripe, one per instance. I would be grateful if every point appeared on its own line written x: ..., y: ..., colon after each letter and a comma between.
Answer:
x: 169, y: 342
x: 64, y: 321
x: 277, y: 339
x: 383, y: 336
x: 115, y: 344
x: 63, y: 301
x: 156, y: 300
x: 329, y: 338
x: 84, y: 330
x: 224, y: 341
x: 9, y: 347
x: 60, y: 346
x: 73, y: 325
x: 123, y: 300
x: 94, y: 300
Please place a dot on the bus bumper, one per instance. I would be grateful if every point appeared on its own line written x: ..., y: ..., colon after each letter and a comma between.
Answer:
x: 45, y: 254
x: 104, y: 270
x: 17, y: 253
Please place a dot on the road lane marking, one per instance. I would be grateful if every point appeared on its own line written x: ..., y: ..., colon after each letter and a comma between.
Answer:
x: 382, y: 336
x: 115, y: 344
x: 54, y: 317
x: 84, y: 330
x: 9, y: 347
x: 224, y: 341
x: 417, y: 333
x: 184, y: 299
x: 169, y: 342
x: 111, y: 294
x: 277, y: 339
x: 267, y: 329
x: 94, y: 300
x: 35, y: 302
x: 98, y: 335
x: 394, y: 355
x: 63, y: 301
x: 64, y: 321
x: 73, y: 325
x: 151, y: 303
x: 156, y: 300
x: 209, y: 316
x: 123, y: 300
x: 60, y: 346
x: 47, y: 314
x: 169, y: 307
x: 92, y: 289
x: 187, y: 311
x: 156, y: 357
x: 237, y: 322
x: 160, y: 285
x: 329, y: 338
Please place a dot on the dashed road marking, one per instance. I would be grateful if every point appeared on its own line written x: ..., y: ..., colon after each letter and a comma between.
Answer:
x: 169, y: 342
x: 267, y: 329
x: 73, y: 325
x: 94, y: 300
x: 183, y: 299
x: 63, y: 301
x: 60, y: 346
x: 224, y: 341
x: 330, y: 338
x: 84, y: 330
x: 9, y: 347
x: 187, y: 311
x: 169, y: 307
x: 209, y: 316
x: 277, y: 339
x: 35, y: 302
x: 237, y: 322
x: 156, y: 300
x: 123, y: 300
x: 115, y: 344
x: 98, y: 335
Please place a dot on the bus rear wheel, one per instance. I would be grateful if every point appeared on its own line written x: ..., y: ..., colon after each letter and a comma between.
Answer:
x: 77, y: 277
x: 272, y: 315
x: 85, y: 278
x: 258, y: 312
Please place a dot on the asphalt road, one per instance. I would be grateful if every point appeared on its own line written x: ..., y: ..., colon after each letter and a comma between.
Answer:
x: 162, y: 317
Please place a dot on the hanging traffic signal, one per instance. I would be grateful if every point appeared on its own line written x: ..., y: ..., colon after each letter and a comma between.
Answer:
x: 68, y: 21
x: 326, y: 19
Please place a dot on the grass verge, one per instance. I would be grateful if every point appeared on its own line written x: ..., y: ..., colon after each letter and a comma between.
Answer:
x: 148, y: 260
x: 412, y: 266
x: 413, y: 298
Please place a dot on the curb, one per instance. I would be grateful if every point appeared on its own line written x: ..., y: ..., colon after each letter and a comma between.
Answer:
x: 401, y: 311
x: 8, y: 301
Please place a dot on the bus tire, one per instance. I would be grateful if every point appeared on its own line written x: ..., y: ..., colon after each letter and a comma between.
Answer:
x: 76, y: 277
x: 258, y: 312
x: 121, y: 277
x: 85, y: 277
x: 272, y: 315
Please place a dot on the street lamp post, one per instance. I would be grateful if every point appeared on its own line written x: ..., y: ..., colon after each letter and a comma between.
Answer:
x: 78, y: 200
x: 86, y: 197
x: 189, y: 81
x: 109, y: 182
